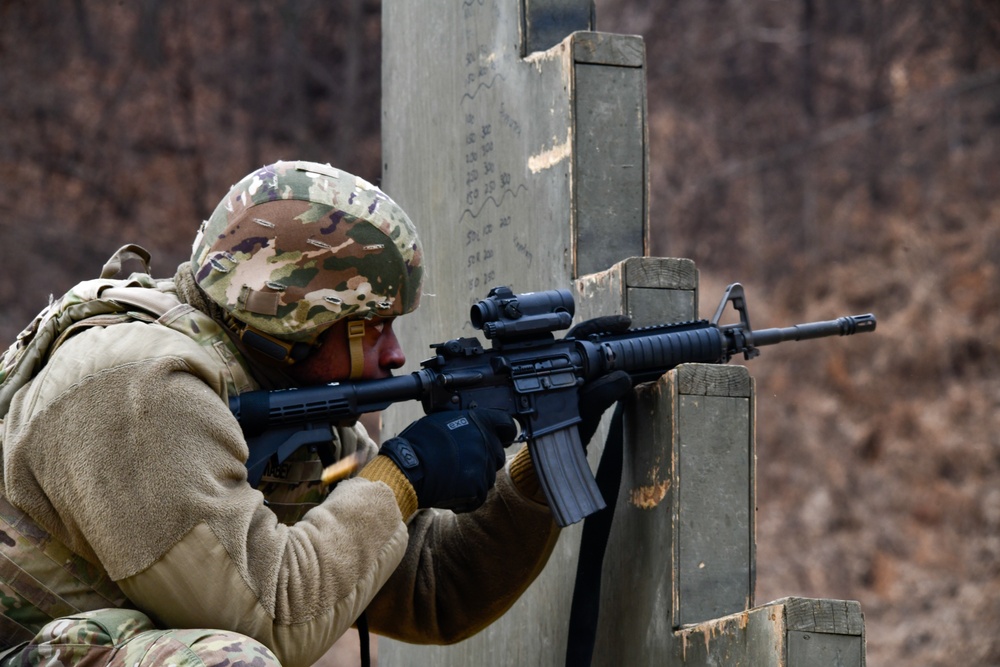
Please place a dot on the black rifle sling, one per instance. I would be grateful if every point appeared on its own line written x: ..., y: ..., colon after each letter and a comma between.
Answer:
x: 364, y: 639
x: 585, y: 608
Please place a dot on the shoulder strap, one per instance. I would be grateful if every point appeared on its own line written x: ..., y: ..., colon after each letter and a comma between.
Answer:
x: 106, y: 300
x: 127, y: 260
x: 586, y: 605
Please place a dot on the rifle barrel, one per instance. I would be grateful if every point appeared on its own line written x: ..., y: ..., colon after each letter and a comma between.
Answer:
x: 842, y: 326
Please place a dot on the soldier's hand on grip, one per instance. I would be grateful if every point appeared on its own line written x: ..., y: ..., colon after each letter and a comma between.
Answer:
x: 596, y: 397
x: 451, y: 458
x: 600, y: 394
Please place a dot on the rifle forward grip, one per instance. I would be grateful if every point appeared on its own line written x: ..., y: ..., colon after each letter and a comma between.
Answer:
x: 563, y: 471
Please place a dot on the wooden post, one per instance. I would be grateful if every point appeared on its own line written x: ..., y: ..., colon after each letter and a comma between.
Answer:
x: 678, y: 578
x: 520, y: 167
x: 516, y: 140
x: 522, y: 170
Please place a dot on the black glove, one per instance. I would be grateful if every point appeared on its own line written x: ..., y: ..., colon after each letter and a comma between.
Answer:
x: 452, y: 458
x: 597, y: 396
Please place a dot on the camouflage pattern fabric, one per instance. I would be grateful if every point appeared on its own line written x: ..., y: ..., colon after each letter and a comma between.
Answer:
x: 43, y: 585
x: 297, y: 246
x: 127, y: 638
x: 294, y: 487
x: 41, y: 579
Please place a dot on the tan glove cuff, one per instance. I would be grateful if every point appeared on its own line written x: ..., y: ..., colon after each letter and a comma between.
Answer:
x: 382, y: 469
x: 522, y: 472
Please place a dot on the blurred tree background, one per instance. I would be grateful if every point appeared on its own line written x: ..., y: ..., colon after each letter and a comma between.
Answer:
x: 834, y: 157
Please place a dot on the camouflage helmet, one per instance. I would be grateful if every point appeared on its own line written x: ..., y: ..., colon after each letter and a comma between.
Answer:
x: 297, y: 246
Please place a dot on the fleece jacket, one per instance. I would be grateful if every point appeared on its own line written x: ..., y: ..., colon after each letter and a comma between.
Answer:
x: 124, y: 449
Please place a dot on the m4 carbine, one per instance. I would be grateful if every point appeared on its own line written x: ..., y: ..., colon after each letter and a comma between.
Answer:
x: 528, y: 373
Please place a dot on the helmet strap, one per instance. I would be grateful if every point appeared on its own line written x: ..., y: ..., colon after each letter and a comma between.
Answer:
x: 355, y: 336
x: 273, y: 348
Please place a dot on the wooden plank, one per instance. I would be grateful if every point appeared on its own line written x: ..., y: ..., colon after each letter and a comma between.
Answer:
x: 824, y: 632
x: 713, y: 515
x: 648, y: 307
x: 714, y: 380
x: 661, y: 290
x: 608, y: 49
x: 610, y: 184
x: 752, y: 638
x: 661, y: 272
x: 653, y: 290
x: 634, y: 274
x: 814, y: 649
x: 829, y: 616
x: 765, y: 637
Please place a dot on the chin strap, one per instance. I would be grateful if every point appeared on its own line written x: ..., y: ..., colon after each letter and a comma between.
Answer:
x: 269, y: 346
x: 290, y: 353
x: 355, y: 335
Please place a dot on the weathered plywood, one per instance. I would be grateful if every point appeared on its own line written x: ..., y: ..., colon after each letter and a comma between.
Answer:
x: 479, y: 145
x: 654, y: 290
x: 527, y: 167
x: 681, y: 547
x: 783, y: 633
x: 634, y: 627
x: 827, y: 616
x: 713, y: 512
x: 809, y: 649
x: 609, y: 187
x: 635, y: 623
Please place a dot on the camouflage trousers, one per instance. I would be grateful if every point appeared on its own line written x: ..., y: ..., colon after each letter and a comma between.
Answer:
x: 126, y: 638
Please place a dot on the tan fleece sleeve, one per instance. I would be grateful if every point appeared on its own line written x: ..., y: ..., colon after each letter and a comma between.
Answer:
x: 140, y: 467
x: 463, y: 571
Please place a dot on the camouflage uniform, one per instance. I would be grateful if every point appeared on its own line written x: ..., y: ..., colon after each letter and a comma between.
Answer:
x: 124, y: 472
x: 127, y: 638
x: 38, y: 595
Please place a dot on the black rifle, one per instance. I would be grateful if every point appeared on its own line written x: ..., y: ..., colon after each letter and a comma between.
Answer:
x: 528, y: 373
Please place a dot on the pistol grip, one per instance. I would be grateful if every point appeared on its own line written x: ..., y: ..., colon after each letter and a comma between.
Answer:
x: 562, y: 469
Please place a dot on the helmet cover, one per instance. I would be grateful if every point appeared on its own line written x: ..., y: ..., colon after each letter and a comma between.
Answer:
x: 297, y: 246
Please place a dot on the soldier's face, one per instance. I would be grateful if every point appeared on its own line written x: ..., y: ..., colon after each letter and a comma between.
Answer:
x: 331, y: 362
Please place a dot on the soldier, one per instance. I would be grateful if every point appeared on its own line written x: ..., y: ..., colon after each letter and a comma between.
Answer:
x: 126, y: 517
